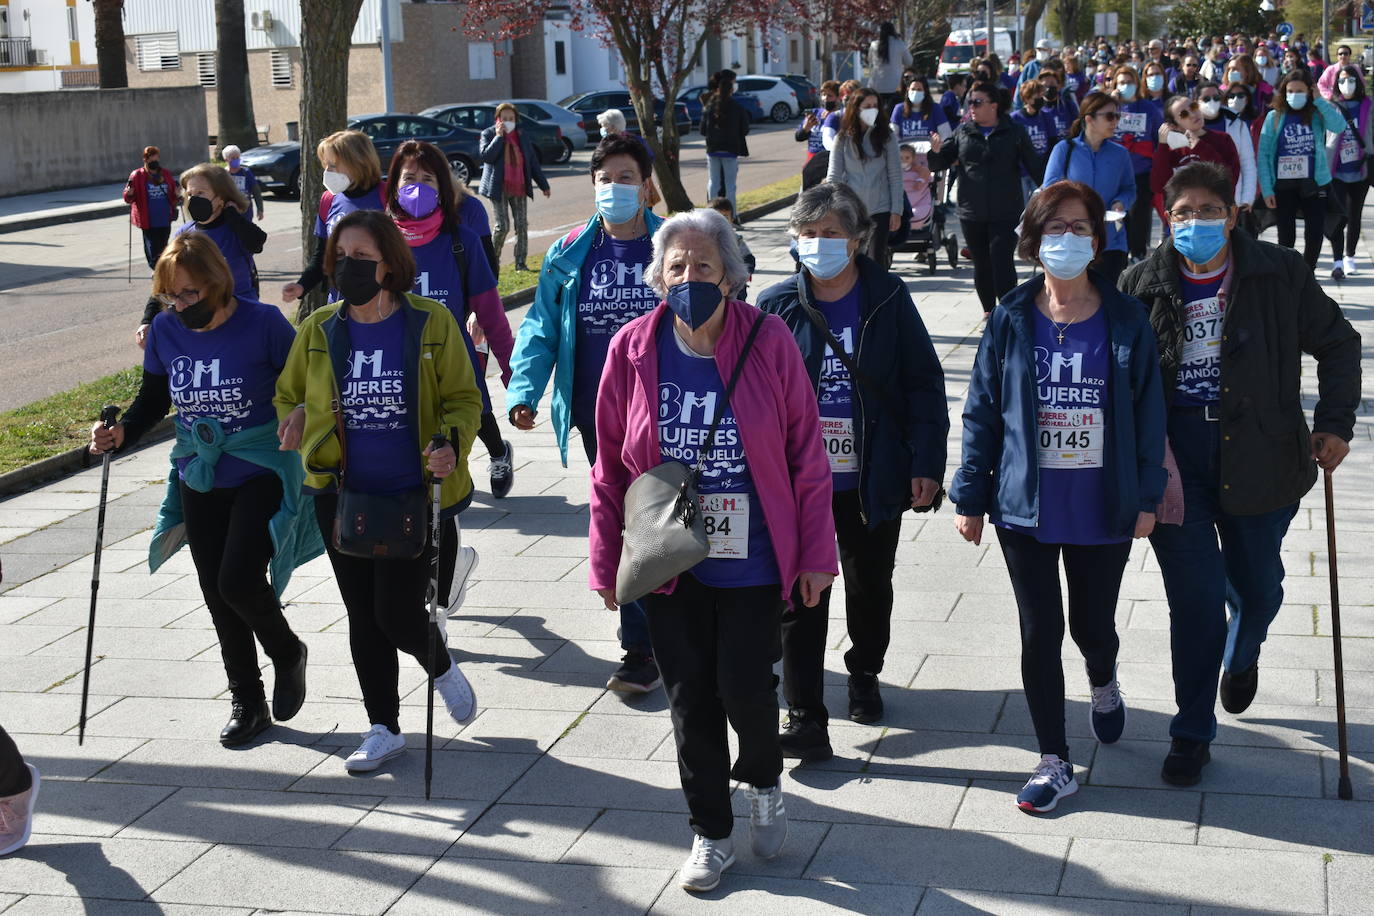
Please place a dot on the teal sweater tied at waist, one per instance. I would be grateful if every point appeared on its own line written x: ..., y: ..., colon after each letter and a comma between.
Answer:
x: 295, y: 534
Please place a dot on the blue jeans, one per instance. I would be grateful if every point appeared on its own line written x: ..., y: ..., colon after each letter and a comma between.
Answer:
x: 1212, y: 561
x: 720, y: 181
x: 634, y: 626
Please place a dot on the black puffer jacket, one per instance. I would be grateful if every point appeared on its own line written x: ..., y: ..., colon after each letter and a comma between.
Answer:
x: 1275, y: 313
x: 990, y: 186
x: 725, y: 124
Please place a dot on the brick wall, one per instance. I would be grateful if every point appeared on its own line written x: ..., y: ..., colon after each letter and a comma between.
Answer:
x: 431, y: 66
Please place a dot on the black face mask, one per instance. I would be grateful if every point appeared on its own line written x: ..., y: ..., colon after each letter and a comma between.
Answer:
x: 1051, y: 94
x: 831, y: 104
x: 196, y: 316
x: 200, y: 208
x: 154, y: 165
x: 356, y: 280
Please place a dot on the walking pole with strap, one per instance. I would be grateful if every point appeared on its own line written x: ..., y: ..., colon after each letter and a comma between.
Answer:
x: 1343, y: 788
x: 435, y: 533
x: 107, y: 419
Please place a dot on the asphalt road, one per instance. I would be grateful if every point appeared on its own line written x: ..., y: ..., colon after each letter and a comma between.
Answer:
x: 68, y: 308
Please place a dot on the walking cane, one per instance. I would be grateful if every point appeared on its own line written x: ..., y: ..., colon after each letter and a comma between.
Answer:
x: 107, y: 419
x: 131, y: 251
x: 1343, y: 788
x: 435, y: 532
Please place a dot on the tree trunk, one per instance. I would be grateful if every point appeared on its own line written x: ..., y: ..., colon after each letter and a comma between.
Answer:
x: 1030, y: 18
x: 109, y: 44
x: 1068, y: 20
x: 326, y: 26
x: 234, y: 95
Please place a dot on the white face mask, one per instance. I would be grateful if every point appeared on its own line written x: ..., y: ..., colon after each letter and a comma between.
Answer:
x: 1042, y: 54
x: 1236, y: 104
x: 869, y: 116
x: 1347, y: 88
x: 336, y: 182
x: 1210, y: 108
x: 1176, y: 139
x: 916, y: 96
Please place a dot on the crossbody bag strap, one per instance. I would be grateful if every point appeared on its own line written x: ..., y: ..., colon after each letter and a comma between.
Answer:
x: 729, y: 390
x: 837, y: 348
x: 1354, y: 127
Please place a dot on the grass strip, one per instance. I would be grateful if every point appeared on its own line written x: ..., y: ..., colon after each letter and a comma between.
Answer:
x: 62, y: 421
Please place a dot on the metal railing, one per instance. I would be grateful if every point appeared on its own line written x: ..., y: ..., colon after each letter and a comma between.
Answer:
x: 17, y: 52
x: 80, y: 79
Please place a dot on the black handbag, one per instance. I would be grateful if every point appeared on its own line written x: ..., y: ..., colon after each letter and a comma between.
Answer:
x: 377, y: 526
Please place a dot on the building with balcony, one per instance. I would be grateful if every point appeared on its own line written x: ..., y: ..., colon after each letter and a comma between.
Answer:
x: 46, y: 44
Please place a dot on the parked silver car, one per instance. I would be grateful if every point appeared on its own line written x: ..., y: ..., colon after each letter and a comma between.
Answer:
x: 545, y: 112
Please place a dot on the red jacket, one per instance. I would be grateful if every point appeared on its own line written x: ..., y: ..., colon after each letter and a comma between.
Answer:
x: 1212, y: 146
x: 136, y: 193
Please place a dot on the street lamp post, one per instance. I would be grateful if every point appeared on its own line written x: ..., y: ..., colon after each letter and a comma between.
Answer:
x: 387, y: 98
x: 1133, y: 35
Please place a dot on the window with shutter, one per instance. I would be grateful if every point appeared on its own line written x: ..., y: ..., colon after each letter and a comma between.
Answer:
x: 205, y: 67
x: 282, y: 74
x: 158, y: 51
x: 481, y: 60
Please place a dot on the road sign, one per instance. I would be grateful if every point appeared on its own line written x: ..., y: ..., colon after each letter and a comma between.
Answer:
x: 1104, y: 23
x: 1367, y: 16
x: 1284, y: 29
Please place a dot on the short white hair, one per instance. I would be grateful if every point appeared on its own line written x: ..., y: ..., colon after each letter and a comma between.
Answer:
x: 710, y: 225
x: 231, y: 152
x: 612, y: 119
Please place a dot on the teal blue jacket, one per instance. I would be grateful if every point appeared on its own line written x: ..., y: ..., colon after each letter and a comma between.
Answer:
x: 1325, y: 117
x: 295, y: 533
x: 545, y: 343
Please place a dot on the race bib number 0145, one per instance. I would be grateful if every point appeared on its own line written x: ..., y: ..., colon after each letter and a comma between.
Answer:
x: 726, y: 517
x: 1070, y: 437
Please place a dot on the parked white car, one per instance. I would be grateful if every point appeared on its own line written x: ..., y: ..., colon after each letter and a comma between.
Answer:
x: 779, y: 100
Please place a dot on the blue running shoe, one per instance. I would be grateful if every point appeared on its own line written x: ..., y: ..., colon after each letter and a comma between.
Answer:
x: 1107, y: 715
x: 1051, y: 781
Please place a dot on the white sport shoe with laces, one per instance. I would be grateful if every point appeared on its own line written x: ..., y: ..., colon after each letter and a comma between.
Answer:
x: 457, y: 694
x: 702, y: 870
x: 767, y: 820
x: 379, y: 745
x: 16, y: 815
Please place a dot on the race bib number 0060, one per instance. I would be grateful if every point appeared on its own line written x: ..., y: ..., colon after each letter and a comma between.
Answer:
x: 726, y: 517
x: 838, y: 435
x: 1070, y: 437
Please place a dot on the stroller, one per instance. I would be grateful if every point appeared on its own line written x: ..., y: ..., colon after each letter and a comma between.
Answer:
x: 923, y: 216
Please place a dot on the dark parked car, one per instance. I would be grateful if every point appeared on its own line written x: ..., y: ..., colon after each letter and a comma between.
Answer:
x: 278, y: 165
x: 692, y: 99
x: 808, y: 96
x: 591, y: 104
x: 547, y: 140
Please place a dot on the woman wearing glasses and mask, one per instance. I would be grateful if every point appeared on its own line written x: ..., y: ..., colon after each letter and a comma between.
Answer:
x: 1063, y: 450
x: 216, y: 356
x: 1088, y: 156
x: 1183, y: 139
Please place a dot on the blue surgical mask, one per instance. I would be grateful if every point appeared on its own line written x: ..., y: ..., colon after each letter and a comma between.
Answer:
x: 694, y: 301
x: 1065, y: 256
x: 616, y: 202
x: 1297, y: 100
x: 823, y: 258
x: 1199, y: 240
x: 1154, y: 82
x: 1126, y: 91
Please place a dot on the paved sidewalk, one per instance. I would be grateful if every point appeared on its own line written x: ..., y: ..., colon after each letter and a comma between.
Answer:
x: 561, y: 797
x: 31, y: 211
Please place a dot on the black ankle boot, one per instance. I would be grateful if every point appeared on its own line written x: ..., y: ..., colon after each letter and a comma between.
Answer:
x: 248, y: 719
x: 288, y: 692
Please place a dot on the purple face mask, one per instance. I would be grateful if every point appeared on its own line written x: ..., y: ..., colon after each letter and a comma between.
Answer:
x: 419, y: 200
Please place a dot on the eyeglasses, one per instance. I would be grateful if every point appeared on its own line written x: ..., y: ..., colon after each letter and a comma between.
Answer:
x: 1343, y: 53
x: 1209, y: 98
x: 1082, y: 228
x: 1184, y: 214
x: 974, y: 103
x: 186, y: 297
x: 1109, y: 115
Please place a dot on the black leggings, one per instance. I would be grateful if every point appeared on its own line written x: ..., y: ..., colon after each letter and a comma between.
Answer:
x: 877, y: 242
x: 1351, y: 197
x: 386, y: 612
x: 1094, y: 578
x: 490, y: 434
x: 1140, y: 219
x: 14, y: 775
x: 226, y: 530
x: 993, y: 246
x: 1313, y: 209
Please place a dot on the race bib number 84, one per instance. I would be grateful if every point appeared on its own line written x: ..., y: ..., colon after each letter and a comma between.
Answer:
x: 726, y: 518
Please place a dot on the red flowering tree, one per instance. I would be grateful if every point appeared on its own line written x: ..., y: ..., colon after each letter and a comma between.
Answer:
x: 658, y: 42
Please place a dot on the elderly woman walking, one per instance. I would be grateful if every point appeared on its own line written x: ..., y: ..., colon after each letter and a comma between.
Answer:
x: 510, y: 170
x: 765, y: 497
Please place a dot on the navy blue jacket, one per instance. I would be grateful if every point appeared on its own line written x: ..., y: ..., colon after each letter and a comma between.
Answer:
x: 1000, y: 475
x: 894, y: 351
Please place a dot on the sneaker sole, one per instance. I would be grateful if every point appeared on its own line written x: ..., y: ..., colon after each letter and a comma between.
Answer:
x: 620, y: 686
x: 1092, y: 726
x: 1070, y: 788
x: 33, y: 802
x: 367, y: 766
x: 510, y: 457
x: 703, y: 888
x: 463, y: 589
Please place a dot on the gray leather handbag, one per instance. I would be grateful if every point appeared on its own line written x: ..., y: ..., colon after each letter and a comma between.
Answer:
x: 665, y: 534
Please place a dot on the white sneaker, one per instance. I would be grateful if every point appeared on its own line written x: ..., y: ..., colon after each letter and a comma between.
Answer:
x: 1351, y: 268
x: 16, y: 816
x: 702, y: 870
x: 463, y: 569
x: 379, y: 745
x: 767, y: 820
x: 457, y: 694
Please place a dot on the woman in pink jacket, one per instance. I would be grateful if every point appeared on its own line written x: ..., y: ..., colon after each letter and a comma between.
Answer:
x: 765, y: 493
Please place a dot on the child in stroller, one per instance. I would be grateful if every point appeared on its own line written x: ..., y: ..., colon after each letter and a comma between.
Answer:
x: 923, y: 224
